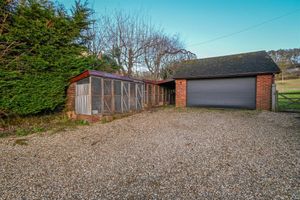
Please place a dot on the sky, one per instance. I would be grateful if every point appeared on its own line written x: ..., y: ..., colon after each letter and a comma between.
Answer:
x: 218, y: 27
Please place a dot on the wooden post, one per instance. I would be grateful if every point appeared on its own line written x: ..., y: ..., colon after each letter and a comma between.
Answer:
x: 146, y: 95
x: 162, y: 95
x: 112, y: 96
x: 274, y: 97
x: 122, y: 96
x: 102, y: 96
x: 136, y: 99
x: 129, y: 96
x: 143, y: 95
x: 90, y: 96
x: 153, y: 95
x: 76, y: 98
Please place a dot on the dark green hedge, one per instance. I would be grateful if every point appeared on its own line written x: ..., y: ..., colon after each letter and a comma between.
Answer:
x: 41, y: 47
x: 31, y: 94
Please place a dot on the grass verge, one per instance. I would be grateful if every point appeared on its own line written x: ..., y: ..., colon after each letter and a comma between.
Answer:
x: 22, y: 126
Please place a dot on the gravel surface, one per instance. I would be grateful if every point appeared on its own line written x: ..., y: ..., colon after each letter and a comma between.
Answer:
x: 162, y: 154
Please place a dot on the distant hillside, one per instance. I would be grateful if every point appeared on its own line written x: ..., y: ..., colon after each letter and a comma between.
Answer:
x: 286, y: 59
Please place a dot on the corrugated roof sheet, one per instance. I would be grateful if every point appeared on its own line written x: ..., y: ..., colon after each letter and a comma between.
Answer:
x: 104, y: 75
x: 244, y: 64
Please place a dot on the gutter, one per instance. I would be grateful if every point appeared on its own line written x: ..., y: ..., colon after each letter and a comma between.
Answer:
x: 225, y: 76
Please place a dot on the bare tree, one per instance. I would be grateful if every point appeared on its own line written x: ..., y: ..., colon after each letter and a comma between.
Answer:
x: 134, y: 42
x: 123, y: 36
x: 162, y: 51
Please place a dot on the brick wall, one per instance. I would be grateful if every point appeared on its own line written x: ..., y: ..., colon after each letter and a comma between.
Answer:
x: 89, y: 118
x: 70, y: 104
x: 263, y: 91
x: 180, y: 93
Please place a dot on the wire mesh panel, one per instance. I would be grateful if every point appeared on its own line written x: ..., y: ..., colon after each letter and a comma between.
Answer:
x: 132, y: 96
x: 166, y: 96
x: 156, y: 95
x: 139, y: 96
x: 96, y: 95
x: 107, y: 107
x: 145, y: 98
x: 125, y: 96
x: 83, y: 81
x: 161, y: 94
x: 117, y: 95
x: 149, y: 95
x: 172, y: 96
x: 82, y: 99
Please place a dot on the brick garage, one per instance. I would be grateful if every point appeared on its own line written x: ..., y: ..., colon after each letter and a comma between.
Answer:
x: 235, y: 81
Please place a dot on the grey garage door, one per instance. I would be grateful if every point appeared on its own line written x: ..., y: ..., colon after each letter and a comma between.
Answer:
x: 222, y: 92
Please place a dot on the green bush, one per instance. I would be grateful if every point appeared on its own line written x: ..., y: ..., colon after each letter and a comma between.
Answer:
x: 42, y: 47
x: 30, y: 94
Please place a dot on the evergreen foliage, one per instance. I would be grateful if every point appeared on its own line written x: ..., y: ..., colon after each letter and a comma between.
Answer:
x: 42, y: 45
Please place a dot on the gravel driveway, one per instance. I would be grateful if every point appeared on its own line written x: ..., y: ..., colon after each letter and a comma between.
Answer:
x: 163, y: 154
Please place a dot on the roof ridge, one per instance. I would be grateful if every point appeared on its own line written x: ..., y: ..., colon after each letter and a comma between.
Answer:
x: 250, y: 62
x: 238, y: 54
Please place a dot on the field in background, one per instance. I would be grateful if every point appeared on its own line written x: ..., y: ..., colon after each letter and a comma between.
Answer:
x: 288, y: 85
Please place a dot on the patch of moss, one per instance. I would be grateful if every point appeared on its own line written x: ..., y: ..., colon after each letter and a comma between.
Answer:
x: 21, y: 142
x: 22, y: 132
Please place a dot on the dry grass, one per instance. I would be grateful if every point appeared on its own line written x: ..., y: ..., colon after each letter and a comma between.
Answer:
x: 22, y: 126
x: 288, y: 85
